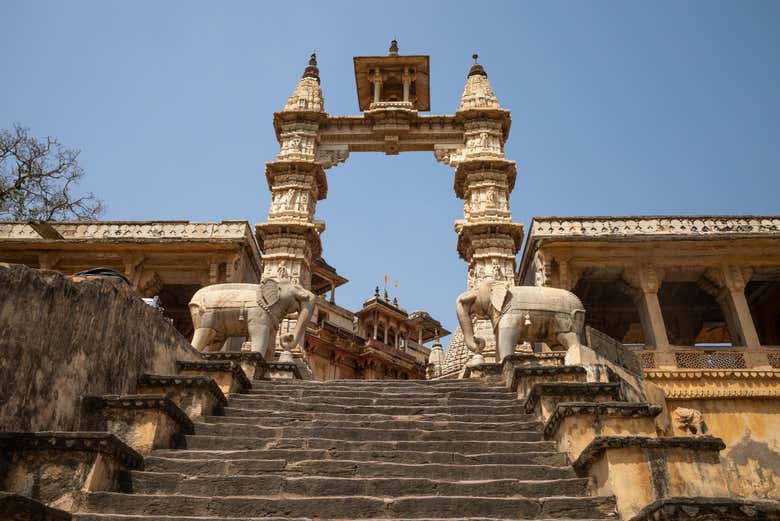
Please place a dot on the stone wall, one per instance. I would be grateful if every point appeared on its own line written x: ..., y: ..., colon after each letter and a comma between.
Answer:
x: 60, y: 340
x: 749, y: 427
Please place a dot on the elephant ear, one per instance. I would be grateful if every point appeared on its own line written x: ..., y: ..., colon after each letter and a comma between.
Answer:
x: 498, y: 293
x: 268, y: 292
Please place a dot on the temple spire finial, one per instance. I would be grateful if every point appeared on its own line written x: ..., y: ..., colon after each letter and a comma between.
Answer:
x: 393, y: 48
x: 312, y: 71
x: 477, y: 69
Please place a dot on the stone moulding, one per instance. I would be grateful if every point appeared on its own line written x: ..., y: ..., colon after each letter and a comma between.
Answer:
x: 246, y: 359
x: 142, y: 401
x: 709, y: 509
x: 584, y: 389
x: 615, y: 409
x: 287, y: 367
x: 716, y: 383
x: 665, y: 226
x: 482, y: 370
x: 134, y: 230
x: 601, y: 443
x: 101, y: 442
x: 543, y: 370
x: 205, y: 382
x: 224, y: 366
x: 14, y: 507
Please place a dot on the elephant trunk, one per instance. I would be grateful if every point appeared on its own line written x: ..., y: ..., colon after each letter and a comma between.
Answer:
x: 463, y: 312
x: 306, y: 303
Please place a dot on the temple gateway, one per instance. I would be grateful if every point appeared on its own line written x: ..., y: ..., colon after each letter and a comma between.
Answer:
x: 605, y: 367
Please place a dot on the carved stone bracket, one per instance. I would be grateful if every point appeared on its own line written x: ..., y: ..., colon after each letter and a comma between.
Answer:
x: 332, y: 156
x: 448, y: 155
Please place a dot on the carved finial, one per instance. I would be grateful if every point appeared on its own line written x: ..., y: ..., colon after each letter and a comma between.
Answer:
x: 393, y: 48
x: 395, y: 301
x: 376, y: 291
x: 477, y: 69
x: 312, y: 71
x: 387, y: 297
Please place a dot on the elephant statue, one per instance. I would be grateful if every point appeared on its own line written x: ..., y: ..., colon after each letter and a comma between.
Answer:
x: 220, y: 311
x: 521, y: 314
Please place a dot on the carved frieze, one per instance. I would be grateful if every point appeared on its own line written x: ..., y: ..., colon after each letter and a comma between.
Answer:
x: 666, y: 226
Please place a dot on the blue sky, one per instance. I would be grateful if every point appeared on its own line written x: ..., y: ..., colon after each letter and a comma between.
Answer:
x: 618, y: 108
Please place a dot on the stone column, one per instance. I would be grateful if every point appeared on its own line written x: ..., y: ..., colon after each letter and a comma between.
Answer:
x: 290, y: 239
x: 407, y: 78
x: 729, y: 290
x: 488, y: 240
x: 645, y: 281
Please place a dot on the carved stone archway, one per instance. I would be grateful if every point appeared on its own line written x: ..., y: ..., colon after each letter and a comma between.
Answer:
x: 392, y: 91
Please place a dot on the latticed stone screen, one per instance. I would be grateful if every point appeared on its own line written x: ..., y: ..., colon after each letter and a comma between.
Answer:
x: 710, y: 360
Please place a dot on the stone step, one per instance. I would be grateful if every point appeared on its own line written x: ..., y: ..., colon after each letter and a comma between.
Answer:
x: 282, y: 421
x: 368, y: 434
x: 244, y: 412
x: 545, y: 455
x: 351, y: 468
x: 404, y: 401
x: 254, y: 402
x: 275, y: 484
x: 244, y: 443
x: 369, y: 385
x: 354, y: 507
x: 400, y: 393
x: 123, y: 517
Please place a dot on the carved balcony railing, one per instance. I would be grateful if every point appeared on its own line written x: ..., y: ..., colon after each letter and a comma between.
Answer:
x: 773, y: 355
x: 707, y: 358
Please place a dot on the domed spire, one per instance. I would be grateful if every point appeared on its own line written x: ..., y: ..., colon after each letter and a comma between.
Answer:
x: 477, y: 93
x: 307, y: 95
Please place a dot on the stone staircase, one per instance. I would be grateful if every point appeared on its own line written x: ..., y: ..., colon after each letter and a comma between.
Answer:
x: 449, y: 449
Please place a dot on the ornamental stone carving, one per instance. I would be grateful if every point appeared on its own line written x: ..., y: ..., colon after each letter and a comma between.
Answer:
x: 667, y: 226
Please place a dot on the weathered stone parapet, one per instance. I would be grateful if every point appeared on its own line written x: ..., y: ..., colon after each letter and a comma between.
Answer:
x: 15, y: 507
x: 709, y: 509
x: 659, y: 468
x: 283, y: 371
x: 667, y: 226
x: 34, y: 465
x: 144, y: 421
x: 132, y: 230
x: 573, y: 425
x: 197, y: 396
x: 229, y: 376
x: 253, y: 364
x: 545, y: 397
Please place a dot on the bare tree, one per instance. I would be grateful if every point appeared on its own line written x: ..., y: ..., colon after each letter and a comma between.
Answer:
x: 36, y: 178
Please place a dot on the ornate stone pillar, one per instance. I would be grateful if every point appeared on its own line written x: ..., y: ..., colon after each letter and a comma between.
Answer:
x: 290, y: 238
x: 488, y: 240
